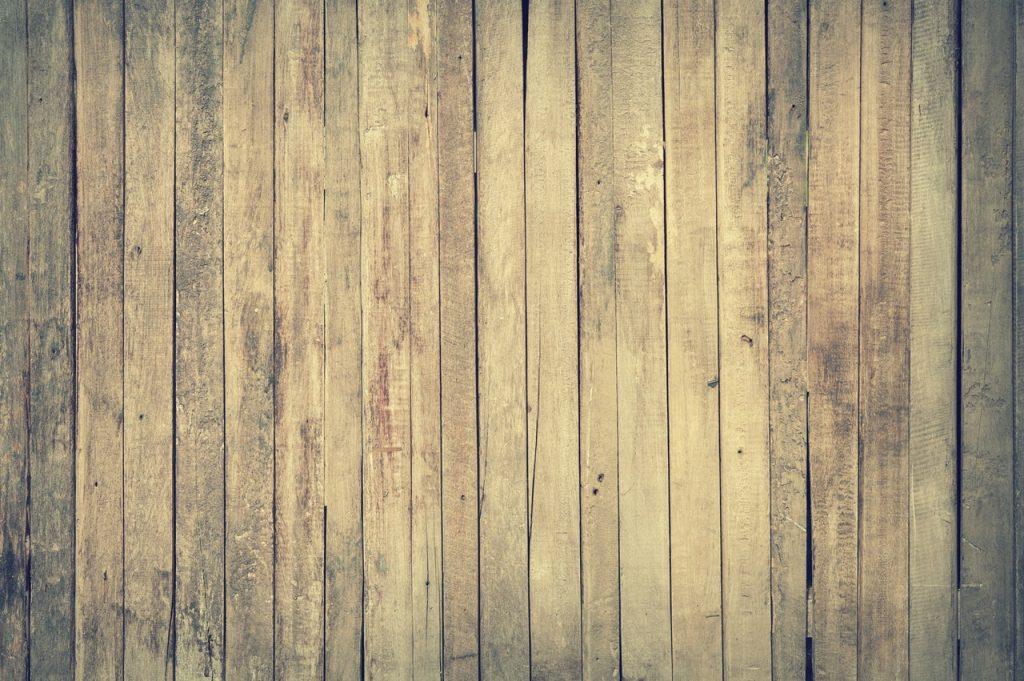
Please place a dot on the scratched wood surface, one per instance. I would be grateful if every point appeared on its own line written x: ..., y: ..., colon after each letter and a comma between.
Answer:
x: 592, y: 339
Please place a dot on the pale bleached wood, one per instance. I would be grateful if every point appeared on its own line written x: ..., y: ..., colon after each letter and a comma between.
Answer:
x: 51, y: 520
x: 14, y: 340
x: 638, y: 189
x: 986, y: 336
x: 832, y: 306
x: 743, y: 338
x: 883, y: 599
x: 299, y: 338
x: 599, y: 461
x: 99, y: 445
x: 787, y: 331
x: 199, y: 342
x: 149, y: 339
x: 501, y: 288
x: 249, y: 338
x: 343, y: 441
x: 459, y: 480
x: 692, y: 289
x: 933, y: 342
x: 552, y: 359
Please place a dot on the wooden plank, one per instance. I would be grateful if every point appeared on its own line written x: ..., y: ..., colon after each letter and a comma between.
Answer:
x: 986, y: 389
x: 692, y: 298
x: 51, y: 401
x: 425, y: 340
x: 299, y: 338
x: 199, y: 343
x: 1018, y: 341
x: 743, y: 338
x: 249, y: 338
x: 884, y: 340
x: 832, y: 331
x: 459, y: 462
x: 99, y: 446
x: 787, y: 332
x: 551, y: 332
x: 387, y: 462
x: 343, y: 552
x: 14, y: 341
x: 149, y: 339
x: 599, y: 453
x: 638, y: 190
x: 933, y: 342
x: 504, y: 561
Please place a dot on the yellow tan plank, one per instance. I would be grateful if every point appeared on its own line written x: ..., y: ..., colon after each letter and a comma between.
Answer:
x: 552, y: 359
x: 692, y: 288
x: 343, y: 553
x: 986, y: 335
x: 638, y: 191
x: 459, y: 478
x: 933, y: 342
x: 51, y: 406
x: 149, y: 339
x: 14, y: 340
x: 884, y: 340
x: 299, y: 338
x: 99, y: 472
x: 599, y: 466
x: 787, y: 331
x: 249, y: 338
x: 832, y: 330
x: 504, y: 566
x: 743, y: 338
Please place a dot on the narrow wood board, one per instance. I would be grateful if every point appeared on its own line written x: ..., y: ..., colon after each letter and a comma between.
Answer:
x: 51, y: 401
x: 832, y: 331
x: 501, y: 328
x: 99, y: 433
x: 986, y: 337
x: 551, y: 334
x: 249, y: 338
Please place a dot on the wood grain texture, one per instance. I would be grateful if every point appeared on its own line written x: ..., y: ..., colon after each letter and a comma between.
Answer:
x: 551, y: 336
x: 986, y: 334
x: 691, y: 244
x: 832, y: 331
x: 787, y: 332
x: 501, y: 323
x: 249, y: 339
x: 99, y: 373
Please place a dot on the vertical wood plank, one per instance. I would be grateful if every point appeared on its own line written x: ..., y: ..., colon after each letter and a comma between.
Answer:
x: 743, y: 338
x: 1018, y: 339
x: 99, y: 455
x: 51, y: 445
x: 986, y: 417
x: 884, y: 340
x: 424, y: 349
x: 384, y: 72
x: 299, y: 338
x: 14, y: 340
x: 551, y: 332
x: 249, y: 338
x: 504, y: 562
x: 933, y: 341
x: 832, y: 330
x: 149, y: 339
x: 638, y: 190
x: 599, y: 453
x: 459, y: 462
x: 343, y: 440
x: 692, y: 288
x: 787, y: 331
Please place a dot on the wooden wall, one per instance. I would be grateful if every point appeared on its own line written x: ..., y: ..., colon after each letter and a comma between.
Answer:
x: 646, y: 339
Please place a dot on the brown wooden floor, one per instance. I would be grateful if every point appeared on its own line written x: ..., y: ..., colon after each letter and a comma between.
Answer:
x: 602, y: 339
